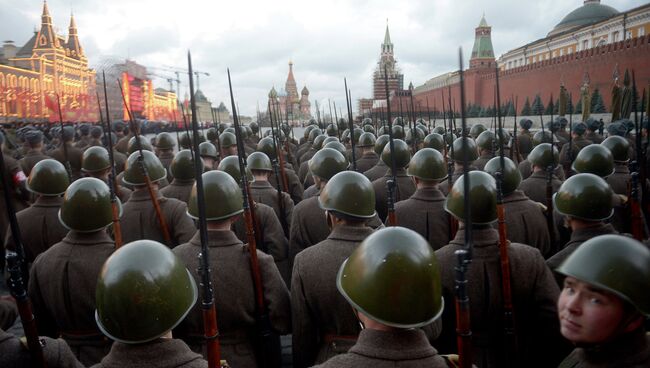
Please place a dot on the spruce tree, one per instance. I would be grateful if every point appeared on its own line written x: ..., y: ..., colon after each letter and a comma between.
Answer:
x: 597, y: 103
x: 538, y: 105
x: 526, y: 110
x: 578, y: 107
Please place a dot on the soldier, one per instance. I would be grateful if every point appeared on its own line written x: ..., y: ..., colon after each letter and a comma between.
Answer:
x: 119, y: 128
x: 368, y: 157
x: 149, y: 273
x: 388, y: 265
x: 585, y: 201
x: 541, y: 157
x: 593, y: 125
x: 34, y: 140
x: 62, y: 279
x: 457, y: 155
x: 140, y: 220
x: 534, y: 291
x: 323, y: 323
x: 123, y: 142
x: 182, y: 170
x: 486, y: 143
x: 96, y: 163
x: 84, y: 137
x: 435, y: 141
x: 231, y: 277
x: 303, y: 171
x: 561, y: 125
x: 604, y: 303
x: 525, y: 166
x: 39, y: 224
x: 74, y: 155
x: 295, y: 189
x: 525, y: 138
x: 308, y: 222
x: 118, y: 157
x: 208, y: 154
x: 255, y: 129
x: 404, y: 187
x: 164, y: 149
x: 228, y: 143
x: 476, y: 130
x: 525, y: 218
x: 263, y: 192
x: 578, y: 143
x: 423, y: 212
x: 96, y: 133
x: 380, y: 167
x: 18, y: 194
x: 619, y: 181
x: 56, y: 353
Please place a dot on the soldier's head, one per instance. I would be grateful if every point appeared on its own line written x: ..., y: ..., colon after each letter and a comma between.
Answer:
x: 223, y: 199
x: 208, y: 153
x: 84, y: 130
x: 392, y: 280
x: 119, y: 128
x: 230, y: 165
x: 133, y: 145
x: 585, y: 200
x: 482, y: 200
x: 510, y: 175
x: 34, y: 139
x: 579, y: 130
x: 619, y: 147
x: 164, y: 142
x: 402, y: 154
x: 96, y: 162
x: 48, y: 178
x: 427, y: 168
x: 133, y: 174
x: 348, y: 198
x: 487, y: 141
x: 260, y: 165
x: 87, y: 206
x: 228, y: 142
x: 594, y: 159
x: 366, y: 142
x: 96, y: 132
x: 605, y: 290
x: 149, y: 273
x: 543, y: 156
x: 525, y: 124
x: 435, y: 141
x: 476, y: 130
x: 182, y: 166
x: 459, y: 148
x: 326, y: 163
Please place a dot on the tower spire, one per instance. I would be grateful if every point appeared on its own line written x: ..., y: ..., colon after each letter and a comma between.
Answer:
x: 482, y: 52
x: 73, y: 43
x: 46, y: 38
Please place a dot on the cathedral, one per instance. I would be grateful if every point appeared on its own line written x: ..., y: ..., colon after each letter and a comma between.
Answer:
x: 293, y: 107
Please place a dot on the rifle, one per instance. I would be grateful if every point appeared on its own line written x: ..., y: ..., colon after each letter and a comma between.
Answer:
x: 337, y: 121
x: 145, y: 173
x: 278, y: 172
x: 508, y: 310
x: 635, y: 208
x: 464, y: 256
x: 68, y: 168
x: 570, y: 150
x: 637, y: 127
x: 112, y: 181
x: 429, y: 113
x: 392, y: 182
x: 269, y: 350
x: 210, y: 329
x: 414, y: 136
x: 350, y: 126
x: 216, y: 128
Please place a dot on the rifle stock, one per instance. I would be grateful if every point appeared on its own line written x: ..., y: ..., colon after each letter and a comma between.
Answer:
x: 392, y: 183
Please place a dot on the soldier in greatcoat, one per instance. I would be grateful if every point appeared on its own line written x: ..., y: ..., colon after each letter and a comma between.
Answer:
x: 232, y: 278
x: 96, y: 133
x: 368, y: 157
x: 380, y: 167
x: 295, y: 189
x: 486, y: 143
x: 96, y: 163
x: 303, y: 171
x: 403, y: 187
x: 524, y: 138
x: 63, y: 279
x: 620, y: 181
x: 164, y: 150
x: 541, y: 157
x: 182, y: 170
x: 57, y: 354
x: 34, y: 140
x: 457, y: 155
x: 577, y: 143
x: 84, y: 137
x: 74, y: 154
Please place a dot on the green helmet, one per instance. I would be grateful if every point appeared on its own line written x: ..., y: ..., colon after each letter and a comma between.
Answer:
x: 342, y: 123
x: 419, y: 135
x: 259, y: 161
x: 476, y: 130
x: 132, y: 146
x: 395, y: 264
x: 487, y: 141
x: 544, y: 155
x: 212, y: 134
x: 511, y: 177
x: 382, y: 130
x: 327, y: 162
x: 398, y: 132
x: 457, y: 154
x: 586, y: 197
x: 133, y: 171
x: 48, y: 178
x: 358, y: 132
x: 207, y: 149
x: 318, y: 142
x: 380, y: 143
x: 95, y: 159
x: 182, y: 166
x: 143, y: 291
x: 248, y: 130
x: 221, y: 127
x: 330, y: 139
x: 254, y: 127
x: 482, y: 198
x: 221, y: 188
x: 315, y: 132
x: 230, y: 165
x: 615, y: 263
x: 308, y: 130
x: 87, y: 196
x: 542, y: 137
x: 165, y: 140
x: 435, y: 141
x: 337, y: 146
x: 449, y: 137
x: 369, y: 128
x: 594, y: 159
x: 227, y: 139
x: 398, y: 121
x: 619, y: 147
x: 230, y: 130
x: 184, y: 141
x: 332, y: 130
x: 366, y: 139
x: 402, y: 154
x: 349, y: 193
x: 439, y: 129
x: 428, y: 164
x: 267, y: 146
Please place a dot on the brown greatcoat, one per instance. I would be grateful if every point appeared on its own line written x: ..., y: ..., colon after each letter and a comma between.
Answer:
x: 303, y: 172
x: 526, y: 222
x: 534, y: 295
x: 263, y: 192
x: 367, y: 161
x: 62, y: 291
x: 323, y: 322
x: 274, y: 243
x: 139, y: 220
x: 178, y: 189
x: 619, y: 181
x: 312, y: 191
x: 577, y: 145
x: 424, y: 213
x: 120, y: 160
x: 56, y: 353
x: 524, y: 143
x: 535, y: 186
x: 161, y: 353
x: 40, y: 227
x: 12, y: 169
x: 166, y: 158
x: 404, y: 189
x: 594, y: 137
x: 122, y: 145
x: 75, y: 156
x: 306, y: 156
x: 526, y: 169
x: 631, y: 350
x: 404, y: 348
x: 234, y: 297
x: 32, y: 157
x: 377, y: 171
x: 295, y: 187
x: 482, y: 160
x: 83, y: 142
x: 458, y: 172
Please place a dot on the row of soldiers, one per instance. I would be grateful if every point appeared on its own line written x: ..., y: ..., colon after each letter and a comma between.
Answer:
x: 350, y: 291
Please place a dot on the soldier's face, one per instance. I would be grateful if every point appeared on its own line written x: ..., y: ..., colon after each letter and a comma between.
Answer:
x: 589, y: 315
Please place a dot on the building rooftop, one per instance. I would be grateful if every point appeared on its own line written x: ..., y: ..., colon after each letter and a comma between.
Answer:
x: 592, y: 11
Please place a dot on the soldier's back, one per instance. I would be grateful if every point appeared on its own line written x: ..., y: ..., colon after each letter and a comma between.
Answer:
x: 535, y: 186
x: 75, y: 156
x: 404, y: 189
x: 178, y: 189
x: 56, y: 353
x: 376, y: 171
x: 424, y: 213
x: 367, y: 161
x: 31, y: 158
x: 526, y: 222
x: 263, y: 192
x: 163, y: 353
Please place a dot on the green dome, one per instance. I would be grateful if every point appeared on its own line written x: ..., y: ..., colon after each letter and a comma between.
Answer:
x: 591, y: 12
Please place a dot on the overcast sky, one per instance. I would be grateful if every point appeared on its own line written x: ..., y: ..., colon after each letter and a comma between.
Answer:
x: 326, y: 40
